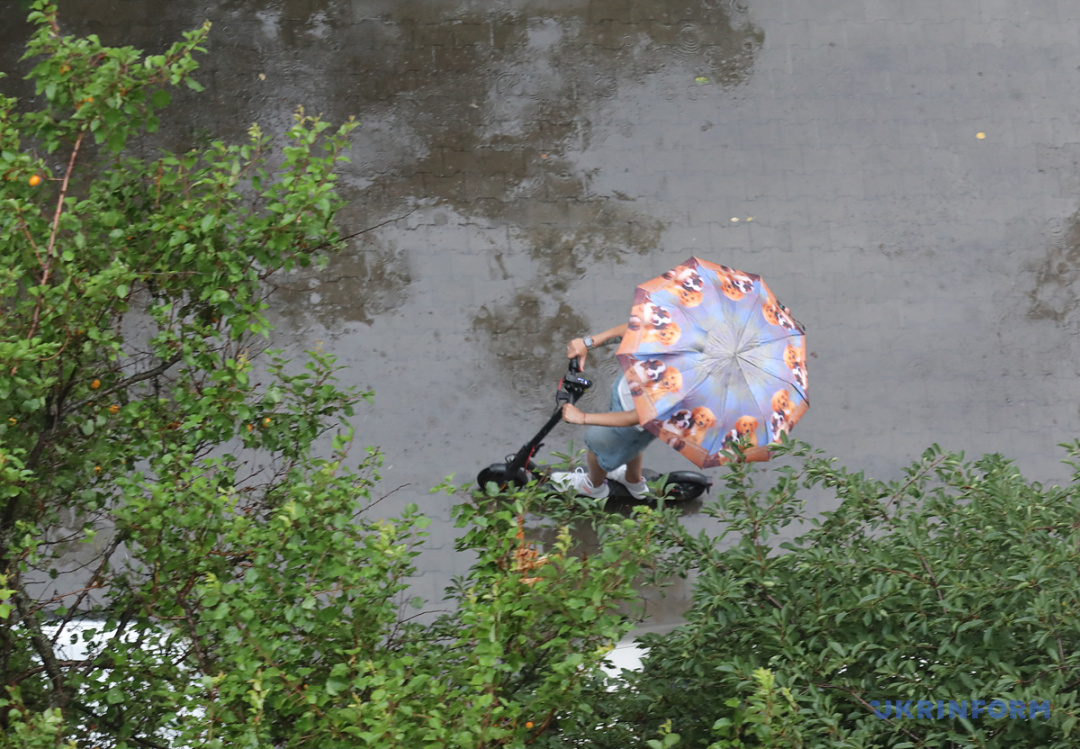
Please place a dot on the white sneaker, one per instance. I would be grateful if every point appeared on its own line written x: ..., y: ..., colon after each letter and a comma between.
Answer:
x: 579, y: 482
x: 639, y: 490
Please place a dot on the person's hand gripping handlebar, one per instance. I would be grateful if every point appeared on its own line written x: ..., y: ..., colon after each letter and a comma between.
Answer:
x: 573, y: 384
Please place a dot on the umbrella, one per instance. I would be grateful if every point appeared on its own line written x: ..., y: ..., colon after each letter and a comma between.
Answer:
x: 714, y: 361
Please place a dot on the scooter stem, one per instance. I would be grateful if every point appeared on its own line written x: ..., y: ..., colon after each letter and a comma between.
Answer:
x: 562, y: 397
x: 522, y: 456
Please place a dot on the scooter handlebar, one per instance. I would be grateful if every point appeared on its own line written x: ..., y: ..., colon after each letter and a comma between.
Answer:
x: 573, y: 385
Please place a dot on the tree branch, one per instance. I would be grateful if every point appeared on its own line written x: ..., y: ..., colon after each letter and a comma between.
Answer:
x: 42, y: 647
x: 94, y: 584
x: 53, y: 231
x: 864, y: 703
x: 934, y: 583
x: 159, y: 369
x: 116, y: 727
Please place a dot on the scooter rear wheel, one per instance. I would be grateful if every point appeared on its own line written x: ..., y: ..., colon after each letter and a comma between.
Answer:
x: 681, y: 486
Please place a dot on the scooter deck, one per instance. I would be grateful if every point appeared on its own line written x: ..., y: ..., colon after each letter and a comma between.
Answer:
x: 684, y: 486
x: 681, y: 485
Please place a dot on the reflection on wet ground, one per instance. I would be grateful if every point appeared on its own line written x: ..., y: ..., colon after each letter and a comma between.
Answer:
x: 521, y: 166
x: 368, y: 280
x: 1055, y: 295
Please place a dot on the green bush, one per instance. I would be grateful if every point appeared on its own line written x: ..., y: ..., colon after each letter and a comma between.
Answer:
x: 958, y: 582
x: 166, y: 506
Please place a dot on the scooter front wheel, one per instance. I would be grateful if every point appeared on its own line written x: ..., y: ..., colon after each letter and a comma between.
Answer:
x: 500, y: 475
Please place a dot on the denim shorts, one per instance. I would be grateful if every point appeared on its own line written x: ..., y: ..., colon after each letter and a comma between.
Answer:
x: 614, y: 446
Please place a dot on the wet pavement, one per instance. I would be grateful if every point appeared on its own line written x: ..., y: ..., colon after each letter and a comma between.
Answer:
x: 904, y: 175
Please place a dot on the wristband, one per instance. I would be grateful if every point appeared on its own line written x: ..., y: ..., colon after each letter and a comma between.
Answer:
x: 588, y: 341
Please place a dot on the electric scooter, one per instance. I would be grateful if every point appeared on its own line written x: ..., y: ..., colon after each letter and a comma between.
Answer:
x: 519, y: 468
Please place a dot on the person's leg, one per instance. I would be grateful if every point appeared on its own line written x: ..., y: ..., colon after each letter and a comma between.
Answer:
x: 633, y: 469
x: 591, y: 483
x: 597, y: 475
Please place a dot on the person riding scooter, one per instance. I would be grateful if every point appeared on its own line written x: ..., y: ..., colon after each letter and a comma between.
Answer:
x: 615, y: 440
x: 520, y: 469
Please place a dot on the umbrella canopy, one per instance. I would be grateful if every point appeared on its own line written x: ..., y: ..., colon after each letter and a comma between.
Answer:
x: 713, y: 360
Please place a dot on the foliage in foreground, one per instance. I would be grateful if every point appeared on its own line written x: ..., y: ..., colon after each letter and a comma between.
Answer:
x: 162, y: 501
x: 957, y: 583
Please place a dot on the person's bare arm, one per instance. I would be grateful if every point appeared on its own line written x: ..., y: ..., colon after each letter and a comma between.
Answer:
x: 576, y: 348
x: 574, y: 415
x: 750, y: 455
x: 756, y: 454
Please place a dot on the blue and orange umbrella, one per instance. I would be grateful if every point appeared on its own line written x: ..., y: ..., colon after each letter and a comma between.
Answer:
x: 714, y: 361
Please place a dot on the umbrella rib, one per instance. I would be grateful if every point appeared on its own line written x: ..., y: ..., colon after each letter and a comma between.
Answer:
x: 768, y: 372
x: 746, y: 320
